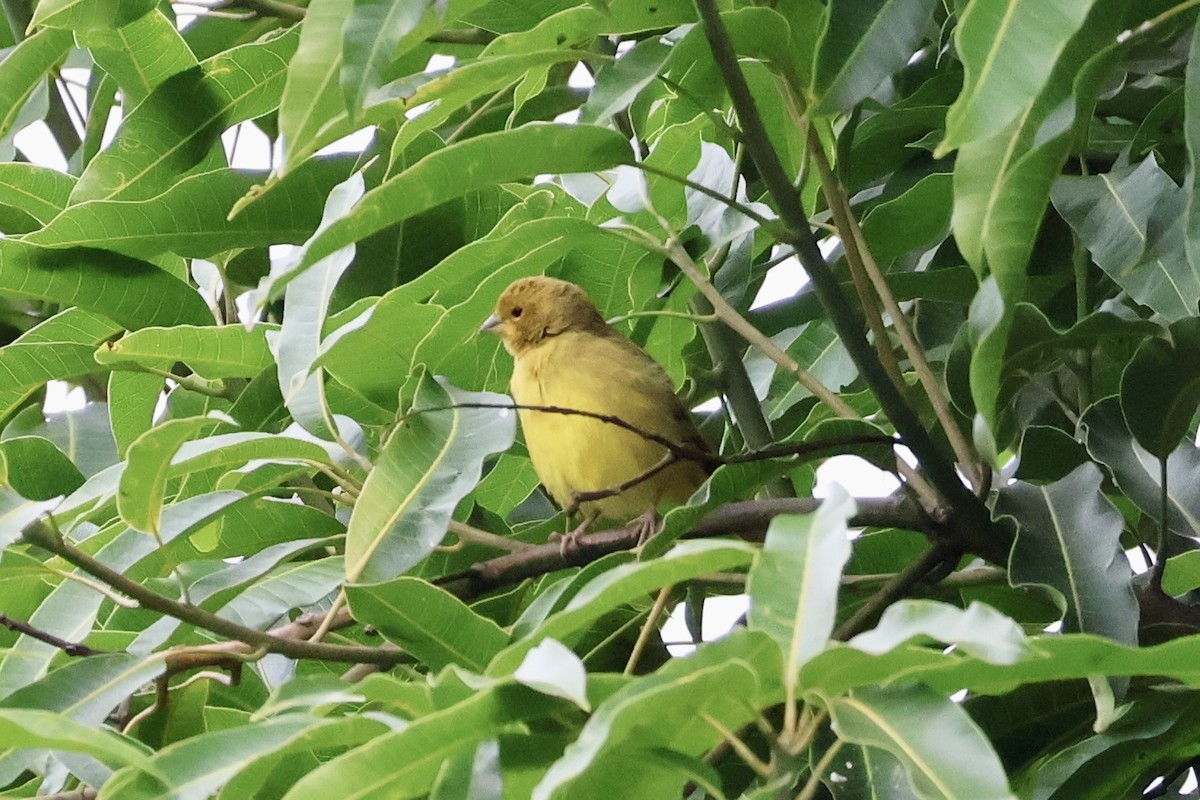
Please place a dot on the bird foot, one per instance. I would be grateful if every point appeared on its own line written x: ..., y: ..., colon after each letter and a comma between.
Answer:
x: 648, y: 524
x: 568, y: 543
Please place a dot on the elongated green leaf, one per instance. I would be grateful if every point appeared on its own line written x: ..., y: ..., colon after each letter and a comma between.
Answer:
x: 21, y: 728
x: 863, y: 45
x: 197, y: 767
x: 482, y: 161
x: 404, y: 763
x: 190, y: 218
x: 1131, y: 220
x: 298, y: 344
x: 430, y: 462
x: 621, y: 585
x: 129, y: 292
x: 140, y: 55
x: 297, y: 585
x: 793, y: 584
x: 994, y: 40
x: 914, y: 724
x: 213, y: 351
x: 609, y: 757
x: 39, y: 192
x: 1160, y: 388
x: 311, y: 110
x: 1062, y: 657
x: 173, y: 132
x: 144, y: 481
x: 23, y: 68
x: 1068, y: 538
x: 1191, y: 121
x: 86, y: 15
x: 371, y: 35
x: 978, y: 630
x: 1137, y: 473
x: 37, y: 469
x: 52, y: 349
x: 1001, y: 186
x: 453, y: 90
x: 432, y: 624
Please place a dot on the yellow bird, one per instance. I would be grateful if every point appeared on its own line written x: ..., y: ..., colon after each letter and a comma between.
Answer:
x: 565, y: 355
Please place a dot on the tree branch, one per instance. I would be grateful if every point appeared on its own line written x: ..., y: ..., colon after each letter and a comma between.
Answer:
x: 747, y: 520
x: 971, y: 519
x: 44, y: 533
x: 70, y: 648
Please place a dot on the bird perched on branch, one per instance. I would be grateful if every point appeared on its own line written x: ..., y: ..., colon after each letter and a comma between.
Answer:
x: 619, y: 442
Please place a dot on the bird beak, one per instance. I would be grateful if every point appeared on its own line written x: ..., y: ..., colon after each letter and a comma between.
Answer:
x: 490, y: 324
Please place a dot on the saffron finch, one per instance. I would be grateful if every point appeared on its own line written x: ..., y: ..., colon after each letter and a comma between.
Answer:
x: 566, y: 355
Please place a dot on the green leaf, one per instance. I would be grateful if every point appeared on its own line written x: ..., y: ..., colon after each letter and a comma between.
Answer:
x: 1137, y: 472
x: 311, y: 98
x: 551, y: 668
x: 404, y: 763
x: 37, y: 469
x: 666, y: 710
x: 298, y: 343
x: 472, y: 164
x: 22, y: 69
x: 428, y: 464
x: 432, y: 624
x: 1131, y: 220
x: 199, y: 766
x: 863, y: 45
x: 1160, y: 388
x: 994, y: 39
x: 191, y: 218
x: 793, y: 585
x: 912, y: 221
x: 144, y: 481
x: 87, y: 15
x: 211, y: 351
x: 37, y: 191
x: 140, y: 55
x: 173, y: 132
x: 36, y: 728
x: 979, y: 630
x: 60, y: 347
x: 621, y: 585
x: 914, y: 724
x: 1002, y: 182
x: 1068, y: 538
x: 130, y: 292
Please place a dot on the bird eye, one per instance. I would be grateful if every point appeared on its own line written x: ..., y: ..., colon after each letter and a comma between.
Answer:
x: 516, y: 312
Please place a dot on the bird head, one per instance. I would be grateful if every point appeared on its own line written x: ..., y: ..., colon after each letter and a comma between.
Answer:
x: 532, y: 309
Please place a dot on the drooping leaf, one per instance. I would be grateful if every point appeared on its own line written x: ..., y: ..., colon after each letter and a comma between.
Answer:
x: 430, y: 462
x: 914, y: 724
x: 1068, y: 538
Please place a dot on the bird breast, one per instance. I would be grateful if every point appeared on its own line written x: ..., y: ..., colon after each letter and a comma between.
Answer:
x: 573, y: 453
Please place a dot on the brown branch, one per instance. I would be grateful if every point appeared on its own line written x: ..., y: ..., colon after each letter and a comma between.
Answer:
x: 747, y: 520
x: 70, y: 648
x: 44, y: 533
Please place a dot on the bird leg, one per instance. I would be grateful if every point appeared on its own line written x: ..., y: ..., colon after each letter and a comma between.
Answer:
x: 568, y: 543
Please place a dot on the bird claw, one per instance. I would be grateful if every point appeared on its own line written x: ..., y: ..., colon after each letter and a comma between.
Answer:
x: 647, y: 526
x: 568, y: 543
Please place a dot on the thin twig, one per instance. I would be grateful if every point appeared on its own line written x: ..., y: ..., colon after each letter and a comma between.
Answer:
x: 896, y: 588
x: 741, y: 748
x: 70, y: 648
x: 814, y: 780
x: 650, y: 625
x: 474, y: 535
